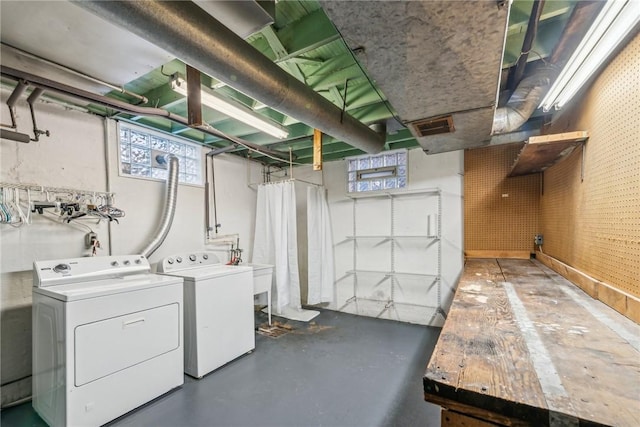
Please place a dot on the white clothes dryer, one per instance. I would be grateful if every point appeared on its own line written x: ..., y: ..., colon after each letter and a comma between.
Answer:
x: 218, y: 310
x: 107, y: 338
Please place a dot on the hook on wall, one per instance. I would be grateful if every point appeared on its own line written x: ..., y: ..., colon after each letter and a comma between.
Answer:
x: 33, y: 97
x: 11, y: 103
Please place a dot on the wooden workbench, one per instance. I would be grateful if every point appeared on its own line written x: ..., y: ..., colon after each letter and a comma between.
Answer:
x: 523, y: 346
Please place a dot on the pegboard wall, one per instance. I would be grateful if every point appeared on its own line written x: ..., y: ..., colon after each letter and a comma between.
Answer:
x: 500, y: 213
x: 594, y: 224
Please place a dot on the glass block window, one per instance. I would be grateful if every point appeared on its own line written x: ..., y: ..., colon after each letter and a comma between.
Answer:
x: 385, y: 171
x: 139, y: 148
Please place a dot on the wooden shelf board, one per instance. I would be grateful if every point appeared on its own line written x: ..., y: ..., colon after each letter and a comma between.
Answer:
x: 542, y: 152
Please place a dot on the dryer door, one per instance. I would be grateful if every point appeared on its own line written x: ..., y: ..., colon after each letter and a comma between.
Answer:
x: 111, y: 345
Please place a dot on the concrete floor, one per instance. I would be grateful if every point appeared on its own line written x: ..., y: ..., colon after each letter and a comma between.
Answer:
x: 345, y: 371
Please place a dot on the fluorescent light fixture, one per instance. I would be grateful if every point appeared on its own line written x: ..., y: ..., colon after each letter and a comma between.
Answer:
x: 616, y: 20
x: 233, y: 110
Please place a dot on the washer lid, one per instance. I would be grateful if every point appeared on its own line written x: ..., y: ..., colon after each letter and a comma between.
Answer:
x: 114, y: 285
x: 208, y: 272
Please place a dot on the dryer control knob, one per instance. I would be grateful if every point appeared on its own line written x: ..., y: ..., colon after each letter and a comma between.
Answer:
x: 115, y: 263
x: 126, y: 262
x: 62, y: 268
x: 170, y: 261
x: 205, y: 256
x: 179, y: 259
x: 137, y: 261
x: 192, y: 257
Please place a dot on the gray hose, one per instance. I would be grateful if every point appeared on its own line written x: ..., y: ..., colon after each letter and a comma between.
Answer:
x: 169, y: 207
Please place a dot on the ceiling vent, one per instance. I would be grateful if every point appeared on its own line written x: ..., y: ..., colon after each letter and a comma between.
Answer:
x: 433, y: 126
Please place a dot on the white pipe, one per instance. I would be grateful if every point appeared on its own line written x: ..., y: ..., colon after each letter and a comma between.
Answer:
x: 120, y: 89
x: 107, y: 166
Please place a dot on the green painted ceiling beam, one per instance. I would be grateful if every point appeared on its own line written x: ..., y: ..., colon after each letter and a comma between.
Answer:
x: 552, y: 23
x: 341, y: 155
x: 361, y: 94
x: 549, y: 32
x: 156, y: 78
x: 342, y: 59
x: 334, y: 73
x: 308, y: 62
x: 306, y: 34
x: 165, y: 97
x: 338, y: 147
x: 280, y: 52
x: 371, y: 113
x: 333, y: 78
x: 330, y: 95
x: 251, y: 135
x: 339, y: 150
x: 521, y: 9
x: 401, y: 139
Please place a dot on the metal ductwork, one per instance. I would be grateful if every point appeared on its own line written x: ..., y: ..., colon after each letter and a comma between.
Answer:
x: 524, y: 101
x: 529, y: 93
x: 198, y: 39
x: 169, y: 207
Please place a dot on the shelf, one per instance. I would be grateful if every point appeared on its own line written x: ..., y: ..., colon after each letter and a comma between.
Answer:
x: 542, y: 152
x: 426, y: 243
x: 384, y: 239
x: 391, y: 273
x: 413, y: 313
x: 392, y: 237
x: 383, y: 193
x: 62, y: 190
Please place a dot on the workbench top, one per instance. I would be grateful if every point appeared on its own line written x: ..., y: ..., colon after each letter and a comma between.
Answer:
x: 523, y: 346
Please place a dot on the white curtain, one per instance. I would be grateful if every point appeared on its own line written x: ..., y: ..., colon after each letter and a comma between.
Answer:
x: 320, y: 247
x: 276, y: 241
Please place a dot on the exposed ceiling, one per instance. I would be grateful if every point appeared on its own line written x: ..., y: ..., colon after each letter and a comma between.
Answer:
x: 397, y: 62
x: 427, y: 66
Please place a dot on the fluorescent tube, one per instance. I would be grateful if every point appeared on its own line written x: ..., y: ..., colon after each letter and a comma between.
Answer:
x: 613, y: 24
x: 234, y: 110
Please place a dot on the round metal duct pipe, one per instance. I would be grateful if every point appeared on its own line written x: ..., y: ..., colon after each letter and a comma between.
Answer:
x: 531, y: 90
x: 184, y: 30
x: 524, y: 101
x: 169, y: 207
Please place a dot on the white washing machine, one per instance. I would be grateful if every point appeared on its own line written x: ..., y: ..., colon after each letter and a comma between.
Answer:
x: 107, y: 338
x: 218, y: 310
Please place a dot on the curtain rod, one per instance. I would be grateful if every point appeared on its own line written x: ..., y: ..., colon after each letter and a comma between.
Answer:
x: 291, y: 180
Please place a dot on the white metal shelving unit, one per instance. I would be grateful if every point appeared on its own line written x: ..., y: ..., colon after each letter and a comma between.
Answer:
x: 432, y: 239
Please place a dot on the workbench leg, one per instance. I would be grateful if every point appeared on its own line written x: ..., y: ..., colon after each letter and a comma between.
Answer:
x: 456, y: 419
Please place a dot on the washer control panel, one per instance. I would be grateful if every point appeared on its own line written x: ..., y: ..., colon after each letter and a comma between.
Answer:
x: 74, y: 270
x: 187, y: 260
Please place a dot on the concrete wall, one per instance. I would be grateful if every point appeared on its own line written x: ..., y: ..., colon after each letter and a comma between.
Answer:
x: 76, y: 156
x: 444, y: 171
